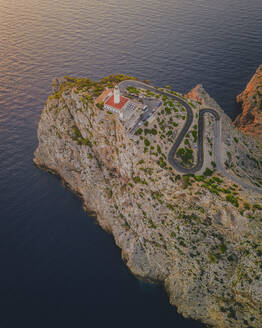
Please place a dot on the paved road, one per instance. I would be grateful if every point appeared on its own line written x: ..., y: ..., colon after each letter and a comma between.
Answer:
x: 220, y: 167
x: 200, y: 154
x: 217, y: 136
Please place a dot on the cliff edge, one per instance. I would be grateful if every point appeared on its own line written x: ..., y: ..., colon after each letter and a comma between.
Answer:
x: 250, y: 120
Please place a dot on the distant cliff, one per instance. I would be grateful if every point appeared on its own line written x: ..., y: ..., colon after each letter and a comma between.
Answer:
x: 250, y: 120
x: 197, y: 235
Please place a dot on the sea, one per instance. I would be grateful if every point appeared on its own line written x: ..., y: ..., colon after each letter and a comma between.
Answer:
x: 58, y: 268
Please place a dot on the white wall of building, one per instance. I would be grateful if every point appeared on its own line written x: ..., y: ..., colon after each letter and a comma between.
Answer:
x: 114, y: 110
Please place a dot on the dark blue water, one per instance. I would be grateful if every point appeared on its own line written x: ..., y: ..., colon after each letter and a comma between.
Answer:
x: 58, y: 268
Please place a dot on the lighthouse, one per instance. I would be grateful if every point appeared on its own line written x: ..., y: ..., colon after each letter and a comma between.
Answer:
x: 116, y: 95
x: 115, y: 103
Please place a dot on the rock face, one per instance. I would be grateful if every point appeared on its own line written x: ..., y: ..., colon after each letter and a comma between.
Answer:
x: 196, y: 93
x: 250, y: 120
x: 180, y: 232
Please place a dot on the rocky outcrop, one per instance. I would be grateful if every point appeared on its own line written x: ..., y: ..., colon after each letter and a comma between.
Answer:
x: 196, y: 93
x: 182, y: 232
x: 250, y: 120
x: 199, y: 94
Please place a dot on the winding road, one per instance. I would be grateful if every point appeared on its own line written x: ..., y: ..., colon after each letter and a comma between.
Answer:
x: 200, y: 156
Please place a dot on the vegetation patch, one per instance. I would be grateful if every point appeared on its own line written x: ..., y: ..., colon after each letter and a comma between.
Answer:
x: 77, y: 136
x: 186, y: 155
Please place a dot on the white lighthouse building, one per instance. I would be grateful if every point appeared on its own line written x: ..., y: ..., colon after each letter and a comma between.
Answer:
x: 116, y: 95
x: 114, y: 102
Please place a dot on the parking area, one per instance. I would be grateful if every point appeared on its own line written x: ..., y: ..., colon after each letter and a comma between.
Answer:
x: 150, y: 105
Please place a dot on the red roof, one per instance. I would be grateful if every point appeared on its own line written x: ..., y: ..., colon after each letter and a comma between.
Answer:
x: 120, y: 105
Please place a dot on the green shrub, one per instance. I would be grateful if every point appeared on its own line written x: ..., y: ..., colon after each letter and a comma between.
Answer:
x: 223, y: 248
x: 79, y: 138
x: 153, y: 132
x: 133, y: 90
x: 136, y: 179
x: 211, y: 188
x: 217, y: 180
x: 162, y: 163
x: 186, y: 154
x: 100, y: 105
x: 199, y: 178
x: 213, y: 164
x: 138, y: 132
x: 208, y: 172
x: 212, y: 257
x: 146, y: 142
x: 233, y: 200
x: 194, y: 133
x: 182, y: 243
x: 186, y: 181
x: 247, y: 206
x: 257, y: 206
x: 152, y: 225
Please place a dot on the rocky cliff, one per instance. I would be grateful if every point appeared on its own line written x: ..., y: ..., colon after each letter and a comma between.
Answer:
x: 197, y: 93
x: 250, y: 120
x: 199, y: 236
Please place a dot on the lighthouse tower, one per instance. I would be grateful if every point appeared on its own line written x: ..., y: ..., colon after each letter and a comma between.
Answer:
x: 116, y: 95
